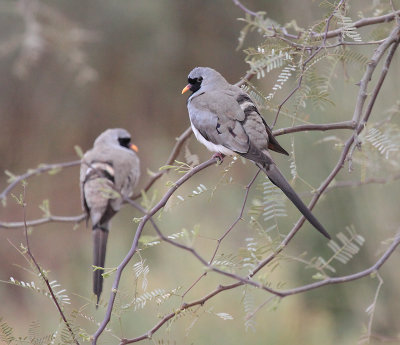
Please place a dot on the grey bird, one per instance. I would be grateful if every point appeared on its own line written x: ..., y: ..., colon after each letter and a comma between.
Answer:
x: 109, y: 173
x: 225, y: 119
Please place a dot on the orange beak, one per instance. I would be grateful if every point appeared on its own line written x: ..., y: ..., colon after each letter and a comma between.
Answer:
x: 134, y: 147
x: 186, y: 88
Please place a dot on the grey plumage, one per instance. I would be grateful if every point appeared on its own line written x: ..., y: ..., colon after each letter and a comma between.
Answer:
x: 225, y: 119
x: 109, y: 173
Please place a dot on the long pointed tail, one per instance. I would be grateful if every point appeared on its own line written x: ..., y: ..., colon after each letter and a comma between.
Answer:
x: 99, y: 255
x: 279, y: 180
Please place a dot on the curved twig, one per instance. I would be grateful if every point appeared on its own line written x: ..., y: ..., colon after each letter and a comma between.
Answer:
x: 282, y: 294
x: 175, y: 152
x: 42, y: 168
x: 139, y: 230
x: 40, y: 221
x: 363, y: 89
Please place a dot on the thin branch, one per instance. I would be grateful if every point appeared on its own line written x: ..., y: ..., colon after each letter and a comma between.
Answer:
x: 42, y: 168
x: 315, y: 127
x: 285, y: 293
x: 372, y: 180
x: 139, y: 230
x: 174, y: 153
x: 339, y: 165
x: 299, y: 46
x: 303, y: 67
x: 42, y: 274
x: 183, y: 307
x: 141, y: 209
x: 240, y: 217
x: 371, y: 308
x: 350, y: 277
x: 368, y: 74
x: 327, y: 34
x: 244, y: 8
x: 40, y: 221
x: 360, y: 23
x: 249, y: 75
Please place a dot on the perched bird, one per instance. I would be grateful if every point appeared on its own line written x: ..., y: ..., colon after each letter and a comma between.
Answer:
x: 109, y: 173
x: 225, y: 119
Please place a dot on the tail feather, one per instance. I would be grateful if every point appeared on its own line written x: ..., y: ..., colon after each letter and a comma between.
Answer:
x: 279, y: 180
x: 99, y: 255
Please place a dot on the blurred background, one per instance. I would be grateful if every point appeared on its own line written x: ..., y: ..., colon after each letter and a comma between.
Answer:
x: 88, y: 66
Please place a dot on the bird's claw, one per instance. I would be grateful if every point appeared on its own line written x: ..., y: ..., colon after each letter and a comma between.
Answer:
x: 219, y: 156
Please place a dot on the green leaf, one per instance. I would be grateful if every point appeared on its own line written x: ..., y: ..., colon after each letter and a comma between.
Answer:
x: 11, y: 176
x: 78, y: 151
x: 45, y: 207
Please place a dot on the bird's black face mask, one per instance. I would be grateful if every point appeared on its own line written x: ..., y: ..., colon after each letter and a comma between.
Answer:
x: 195, y: 83
x: 125, y: 142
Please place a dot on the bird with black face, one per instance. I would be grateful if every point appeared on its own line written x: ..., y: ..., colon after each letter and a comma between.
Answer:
x: 226, y: 120
x: 109, y: 173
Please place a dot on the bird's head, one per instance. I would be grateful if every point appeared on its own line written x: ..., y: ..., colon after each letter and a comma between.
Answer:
x: 203, y: 78
x: 116, y: 136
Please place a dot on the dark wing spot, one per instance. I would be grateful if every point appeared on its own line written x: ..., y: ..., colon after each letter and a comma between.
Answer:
x: 250, y: 109
x: 232, y: 132
x: 272, y: 142
x: 204, y: 134
x: 217, y: 128
x: 98, y: 173
x: 243, y: 98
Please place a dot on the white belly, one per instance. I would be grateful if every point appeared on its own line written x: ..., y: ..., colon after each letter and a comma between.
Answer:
x: 210, y: 146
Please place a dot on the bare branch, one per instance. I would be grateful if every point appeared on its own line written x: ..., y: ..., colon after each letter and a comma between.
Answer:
x: 240, y: 217
x: 350, y: 277
x: 371, y: 180
x: 41, y: 169
x: 315, y: 127
x: 139, y: 230
x: 244, y: 8
x: 174, y: 154
x: 282, y: 294
x: 40, y: 221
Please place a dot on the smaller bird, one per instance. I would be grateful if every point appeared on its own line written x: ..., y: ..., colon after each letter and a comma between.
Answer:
x: 109, y: 173
x: 226, y: 120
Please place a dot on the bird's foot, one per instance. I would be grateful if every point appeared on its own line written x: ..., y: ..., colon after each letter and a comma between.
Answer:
x: 219, y: 156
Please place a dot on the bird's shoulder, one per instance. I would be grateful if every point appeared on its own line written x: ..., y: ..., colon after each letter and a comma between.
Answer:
x: 115, y: 164
x: 221, y: 103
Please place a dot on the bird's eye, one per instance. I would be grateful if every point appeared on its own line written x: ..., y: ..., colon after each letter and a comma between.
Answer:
x: 124, y: 142
x: 194, y: 81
